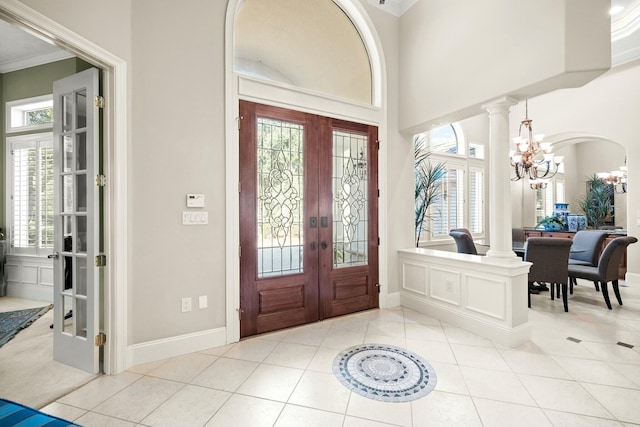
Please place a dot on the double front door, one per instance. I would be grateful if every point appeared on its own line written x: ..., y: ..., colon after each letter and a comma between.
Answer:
x: 308, y: 218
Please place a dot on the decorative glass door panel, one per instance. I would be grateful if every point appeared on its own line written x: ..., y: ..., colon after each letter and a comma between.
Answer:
x: 280, y: 199
x: 350, y: 228
x: 305, y: 214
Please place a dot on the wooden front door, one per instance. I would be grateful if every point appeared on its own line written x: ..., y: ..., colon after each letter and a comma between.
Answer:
x: 308, y: 218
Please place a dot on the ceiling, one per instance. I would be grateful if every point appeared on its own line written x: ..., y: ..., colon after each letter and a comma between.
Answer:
x: 19, y: 49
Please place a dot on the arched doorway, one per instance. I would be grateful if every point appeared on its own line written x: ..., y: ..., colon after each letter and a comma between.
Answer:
x: 273, y: 91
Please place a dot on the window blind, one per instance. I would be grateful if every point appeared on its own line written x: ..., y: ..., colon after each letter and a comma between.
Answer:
x: 32, y: 196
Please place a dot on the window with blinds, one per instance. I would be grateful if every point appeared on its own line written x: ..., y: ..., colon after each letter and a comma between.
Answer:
x: 448, y: 210
x: 476, y: 200
x: 461, y: 191
x: 31, y: 194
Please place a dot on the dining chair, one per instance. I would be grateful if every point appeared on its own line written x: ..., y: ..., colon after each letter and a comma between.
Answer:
x: 518, y: 236
x: 550, y: 258
x: 607, y: 268
x: 590, y: 244
x: 464, y: 241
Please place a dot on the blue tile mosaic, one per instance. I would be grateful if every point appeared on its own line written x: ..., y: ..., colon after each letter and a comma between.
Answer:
x: 384, y: 372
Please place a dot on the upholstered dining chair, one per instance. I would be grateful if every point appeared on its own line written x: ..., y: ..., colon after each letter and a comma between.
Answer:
x: 607, y: 268
x: 518, y: 236
x: 464, y: 241
x: 590, y: 244
x: 550, y: 258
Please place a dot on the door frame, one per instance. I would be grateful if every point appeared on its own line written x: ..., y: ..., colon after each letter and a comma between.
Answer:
x: 260, y: 91
x: 115, y: 144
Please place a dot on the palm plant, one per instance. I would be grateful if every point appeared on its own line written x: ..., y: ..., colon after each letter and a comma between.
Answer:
x: 428, y: 177
x: 595, y: 204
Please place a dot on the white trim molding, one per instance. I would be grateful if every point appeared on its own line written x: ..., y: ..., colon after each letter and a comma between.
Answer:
x: 165, y: 348
x: 115, y: 166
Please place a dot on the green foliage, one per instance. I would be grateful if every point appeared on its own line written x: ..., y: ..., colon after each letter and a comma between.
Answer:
x: 428, y: 177
x: 552, y: 223
x: 595, y: 204
x: 39, y: 117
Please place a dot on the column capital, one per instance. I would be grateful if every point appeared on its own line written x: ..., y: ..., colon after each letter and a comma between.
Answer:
x: 500, y: 105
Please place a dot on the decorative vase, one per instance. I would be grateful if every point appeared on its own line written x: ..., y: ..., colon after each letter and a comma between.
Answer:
x: 572, y: 222
x: 582, y: 222
x: 561, y: 210
x: 561, y: 207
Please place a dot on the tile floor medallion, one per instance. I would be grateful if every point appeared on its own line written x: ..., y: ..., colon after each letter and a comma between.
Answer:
x: 384, y: 372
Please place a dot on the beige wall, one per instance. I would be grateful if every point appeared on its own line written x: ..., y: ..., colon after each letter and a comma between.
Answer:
x: 177, y: 148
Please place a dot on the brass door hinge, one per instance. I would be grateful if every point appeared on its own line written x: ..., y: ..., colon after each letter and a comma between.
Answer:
x: 240, y: 311
x: 378, y: 286
x: 101, y: 180
x: 98, y: 101
x: 100, y: 339
x: 101, y: 260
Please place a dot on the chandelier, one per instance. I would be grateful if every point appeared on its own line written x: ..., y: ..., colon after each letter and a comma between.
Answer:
x: 532, y: 158
x: 617, y: 178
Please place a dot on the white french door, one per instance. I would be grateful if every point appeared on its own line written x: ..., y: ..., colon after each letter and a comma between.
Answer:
x: 76, y: 218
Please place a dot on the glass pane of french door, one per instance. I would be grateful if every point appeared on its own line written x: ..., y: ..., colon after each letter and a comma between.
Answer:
x: 280, y: 201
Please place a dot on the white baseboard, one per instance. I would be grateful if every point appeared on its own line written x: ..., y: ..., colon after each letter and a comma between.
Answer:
x: 632, y: 279
x: 391, y: 300
x: 151, y: 351
x: 508, y: 337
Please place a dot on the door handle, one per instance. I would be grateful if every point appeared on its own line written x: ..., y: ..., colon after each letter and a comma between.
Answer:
x: 314, y: 246
x: 324, y: 244
x: 54, y: 255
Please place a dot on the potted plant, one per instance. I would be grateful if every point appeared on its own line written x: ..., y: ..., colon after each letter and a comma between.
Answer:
x: 428, y: 177
x: 552, y: 223
x: 595, y: 204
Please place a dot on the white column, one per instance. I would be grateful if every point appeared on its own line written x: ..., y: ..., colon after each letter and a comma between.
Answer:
x: 499, y: 179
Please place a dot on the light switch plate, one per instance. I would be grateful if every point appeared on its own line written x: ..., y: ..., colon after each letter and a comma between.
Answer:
x: 202, y: 301
x: 195, y: 217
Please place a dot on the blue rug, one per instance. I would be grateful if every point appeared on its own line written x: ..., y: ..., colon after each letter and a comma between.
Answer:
x: 12, y: 322
x: 384, y: 372
x: 16, y: 415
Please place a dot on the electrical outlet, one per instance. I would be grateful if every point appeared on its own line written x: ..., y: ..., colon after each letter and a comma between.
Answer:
x: 449, y: 286
x: 186, y: 304
x: 203, y: 301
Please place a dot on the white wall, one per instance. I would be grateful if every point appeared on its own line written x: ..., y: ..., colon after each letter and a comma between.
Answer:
x: 456, y: 56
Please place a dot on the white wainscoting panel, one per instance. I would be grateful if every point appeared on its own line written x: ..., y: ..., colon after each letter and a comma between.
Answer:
x: 29, y: 277
x: 414, y: 277
x: 446, y: 285
x: 483, y: 294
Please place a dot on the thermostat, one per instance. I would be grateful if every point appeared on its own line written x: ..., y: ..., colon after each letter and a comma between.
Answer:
x: 195, y: 200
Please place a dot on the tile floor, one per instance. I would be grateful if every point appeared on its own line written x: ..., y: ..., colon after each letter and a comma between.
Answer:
x: 285, y: 378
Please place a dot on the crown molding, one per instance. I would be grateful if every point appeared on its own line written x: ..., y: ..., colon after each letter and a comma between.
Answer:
x: 32, y: 61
